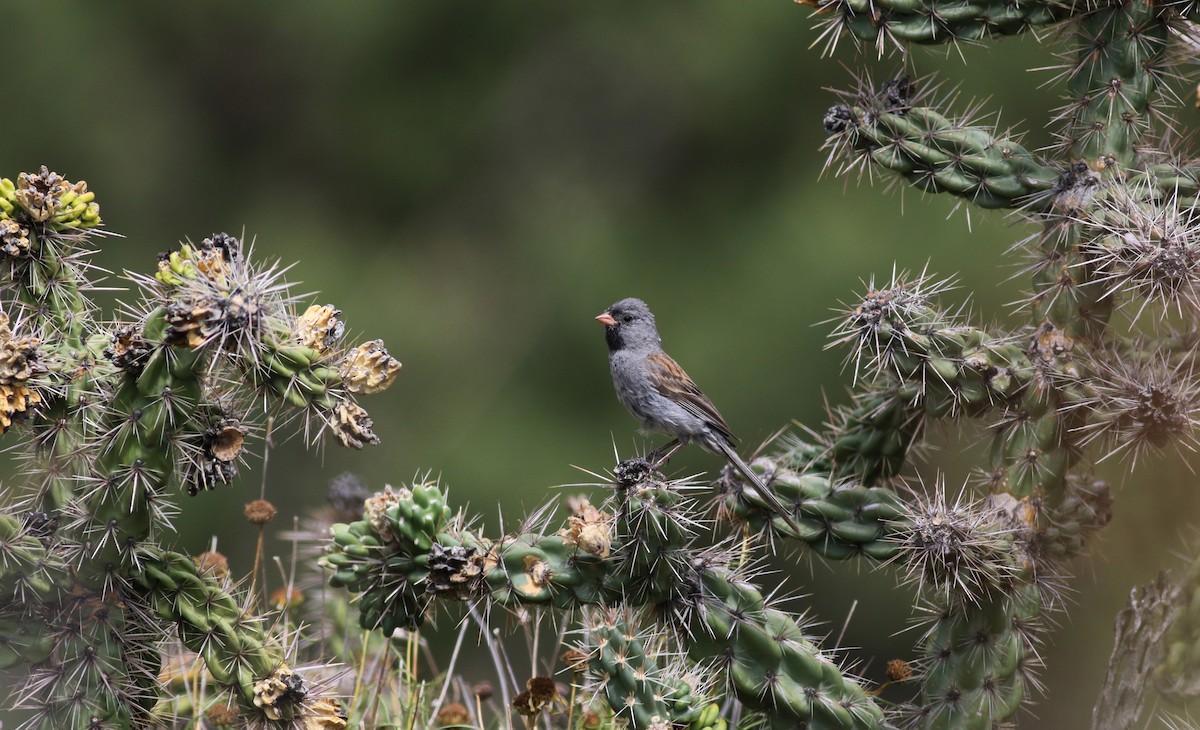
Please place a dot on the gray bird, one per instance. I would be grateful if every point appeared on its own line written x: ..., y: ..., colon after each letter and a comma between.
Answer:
x: 663, y: 398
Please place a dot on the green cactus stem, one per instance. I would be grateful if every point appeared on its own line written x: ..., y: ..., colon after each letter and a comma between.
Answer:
x: 935, y: 154
x: 1120, y: 49
x: 771, y: 664
x: 629, y: 674
x: 138, y: 461
x: 837, y: 521
x: 918, y: 362
x: 115, y: 416
x: 406, y: 552
x: 97, y: 672
x: 30, y: 572
x: 237, y: 652
x: 928, y: 22
x: 977, y: 661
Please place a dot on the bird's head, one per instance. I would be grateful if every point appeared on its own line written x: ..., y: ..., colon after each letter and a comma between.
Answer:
x: 629, y: 323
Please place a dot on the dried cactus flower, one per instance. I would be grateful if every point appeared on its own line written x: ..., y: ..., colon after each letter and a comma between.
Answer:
x: 14, y: 239
x: 369, y: 368
x: 48, y: 198
x: 129, y: 350
x: 351, y: 425
x: 225, y: 439
x: 376, y: 510
x: 279, y: 694
x: 899, y: 670
x: 20, y: 365
x: 326, y: 713
x: 589, y: 529
x: 540, y: 693
x: 319, y: 328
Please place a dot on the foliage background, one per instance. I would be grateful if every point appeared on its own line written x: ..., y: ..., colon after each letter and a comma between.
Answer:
x: 473, y: 182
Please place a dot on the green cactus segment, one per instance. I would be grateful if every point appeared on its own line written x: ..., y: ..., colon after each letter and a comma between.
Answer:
x: 1037, y: 440
x: 652, y: 541
x: 836, y: 522
x: 772, y: 665
x: 1029, y: 451
x: 919, y: 364
x: 1169, y: 180
x: 1064, y: 529
x: 637, y: 688
x: 50, y: 284
x: 297, y: 375
x: 30, y: 574
x: 147, y: 412
x: 1120, y: 48
x: 37, y: 214
x: 232, y: 643
x: 385, y: 555
x: 24, y: 641
x: 640, y: 555
x: 44, y: 256
x: 1120, y: 51
x: 709, y: 719
x: 397, y: 558
x: 977, y: 660
x: 945, y: 368
x: 936, y: 154
x: 1070, y: 293
x: 953, y: 369
x: 867, y: 440
x: 104, y: 676
x: 936, y: 21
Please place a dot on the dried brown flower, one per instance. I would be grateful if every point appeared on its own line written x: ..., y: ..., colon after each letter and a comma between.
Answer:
x: 213, y: 563
x: 352, y: 426
x: 369, y: 368
x: 260, y: 512
x: 453, y: 714
x: 319, y: 327
x: 589, y: 529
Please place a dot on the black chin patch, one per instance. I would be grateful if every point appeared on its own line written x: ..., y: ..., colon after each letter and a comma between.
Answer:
x: 612, y: 335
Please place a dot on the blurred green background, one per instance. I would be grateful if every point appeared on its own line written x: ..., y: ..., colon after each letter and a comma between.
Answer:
x: 473, y: 182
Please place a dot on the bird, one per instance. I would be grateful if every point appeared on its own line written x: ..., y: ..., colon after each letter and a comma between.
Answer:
x: 660, y: 395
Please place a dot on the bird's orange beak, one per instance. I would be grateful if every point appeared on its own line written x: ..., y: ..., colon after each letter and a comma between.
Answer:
x: 607, y: 320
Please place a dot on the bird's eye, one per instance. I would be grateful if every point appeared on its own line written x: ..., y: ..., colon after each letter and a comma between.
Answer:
x: 627, y: 318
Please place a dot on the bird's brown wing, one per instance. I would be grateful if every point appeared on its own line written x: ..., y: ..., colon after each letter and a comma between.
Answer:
x: 673, y: 383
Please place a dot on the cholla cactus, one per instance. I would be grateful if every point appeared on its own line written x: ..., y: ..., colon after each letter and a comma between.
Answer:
x: 668, y: 628
x: 115, y: 420
x: 1113, y: 209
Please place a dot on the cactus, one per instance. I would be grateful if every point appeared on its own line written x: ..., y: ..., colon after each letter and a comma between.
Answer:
x: 405, y: 555
x: 109, y: 625
x: 116, y: 417
x: 1064, y: 389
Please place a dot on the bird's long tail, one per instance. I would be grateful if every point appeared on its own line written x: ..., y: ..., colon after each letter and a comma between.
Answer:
x: 767, y: 495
